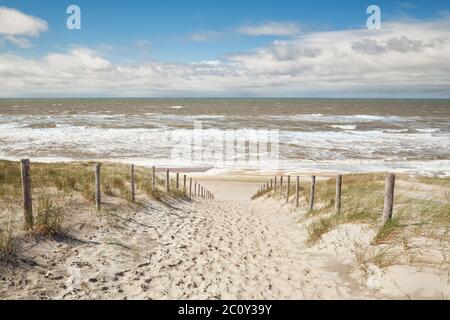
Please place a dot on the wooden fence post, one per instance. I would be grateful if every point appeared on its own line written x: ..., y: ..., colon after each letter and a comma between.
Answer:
x: 26, y: 194
x: 178, y: 181
x: 271, y: 184
x: 288, y: 188
x: 195, y: 189
x: 297, y: 190
x: 313, y: 192
x: 98, y: 196
x: 190, y: 187
x: 275, y: 185
x: 338, y: 193
x: 389, y: 198
x: 281, y: 186
x: 184, y: 184
x: 153, y: 179
x: 168, y: 180
x: 133, y: 184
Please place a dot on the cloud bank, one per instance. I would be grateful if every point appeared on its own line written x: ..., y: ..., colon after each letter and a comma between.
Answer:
x: 404, y: 59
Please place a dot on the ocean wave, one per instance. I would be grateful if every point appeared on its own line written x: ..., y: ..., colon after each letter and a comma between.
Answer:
x: 361, y: 118
x: 344, y: 127
x: 138, y: 136
x: 428, y: 130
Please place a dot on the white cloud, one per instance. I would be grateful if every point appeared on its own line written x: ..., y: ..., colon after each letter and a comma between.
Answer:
x: 15, y: 25
x: 270, y: 29
x: 403, y: 59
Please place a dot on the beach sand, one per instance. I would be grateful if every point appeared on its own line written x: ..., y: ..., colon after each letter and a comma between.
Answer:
x: 227, y: 248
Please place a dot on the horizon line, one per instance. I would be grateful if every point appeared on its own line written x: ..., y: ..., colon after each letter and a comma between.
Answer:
x: 231, y: 97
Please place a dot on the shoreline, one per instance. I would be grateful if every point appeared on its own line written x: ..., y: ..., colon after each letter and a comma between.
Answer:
x: 376, y: 167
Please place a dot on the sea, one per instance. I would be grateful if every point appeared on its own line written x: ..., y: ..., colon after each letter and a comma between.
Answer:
x: 320, y: 135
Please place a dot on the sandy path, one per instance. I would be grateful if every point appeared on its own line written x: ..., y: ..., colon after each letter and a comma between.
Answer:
x: 226, y: 249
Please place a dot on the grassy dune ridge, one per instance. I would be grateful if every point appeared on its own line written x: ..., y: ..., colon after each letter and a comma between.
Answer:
x: 421, y: 215
x: 61, y: 189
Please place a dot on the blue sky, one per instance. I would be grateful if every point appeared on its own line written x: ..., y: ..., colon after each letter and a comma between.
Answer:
x: 134, y: 32
x: 165, y: 26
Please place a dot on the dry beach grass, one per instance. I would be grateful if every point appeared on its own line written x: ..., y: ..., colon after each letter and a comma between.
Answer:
x: 417, y: 236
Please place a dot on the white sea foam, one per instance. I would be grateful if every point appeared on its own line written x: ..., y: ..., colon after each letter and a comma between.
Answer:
x: 342, y: 118
x: 395, y: 130
x: 344, y: 127
x: 120, y: 137
x: 428, y: 130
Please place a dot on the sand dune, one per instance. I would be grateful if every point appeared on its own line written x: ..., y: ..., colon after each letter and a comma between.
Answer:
x: 223, y: 249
